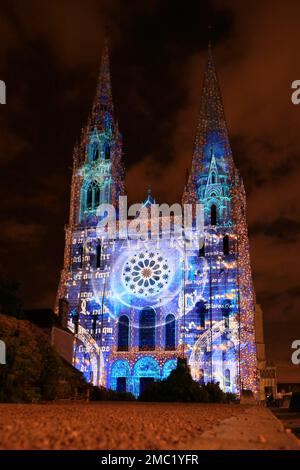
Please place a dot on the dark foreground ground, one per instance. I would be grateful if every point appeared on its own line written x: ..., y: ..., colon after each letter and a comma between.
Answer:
x: 109, y: 425
x: 290, y: 419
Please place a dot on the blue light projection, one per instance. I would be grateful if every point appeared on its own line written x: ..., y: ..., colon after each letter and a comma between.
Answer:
x: 168, y: 367
x: 198, y: 294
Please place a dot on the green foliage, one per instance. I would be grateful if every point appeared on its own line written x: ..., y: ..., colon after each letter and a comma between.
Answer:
x: 33, y: 370
x: 180, y: 387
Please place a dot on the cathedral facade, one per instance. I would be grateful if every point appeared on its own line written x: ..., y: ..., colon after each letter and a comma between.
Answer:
x: 136, y: 306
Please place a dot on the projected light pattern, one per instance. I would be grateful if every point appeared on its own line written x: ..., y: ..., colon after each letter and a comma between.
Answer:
x: 135, y: 307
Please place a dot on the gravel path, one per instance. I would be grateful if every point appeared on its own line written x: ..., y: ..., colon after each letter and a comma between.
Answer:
x: 108, y: 425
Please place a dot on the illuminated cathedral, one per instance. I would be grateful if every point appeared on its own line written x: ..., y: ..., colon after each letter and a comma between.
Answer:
x: 134, y: 308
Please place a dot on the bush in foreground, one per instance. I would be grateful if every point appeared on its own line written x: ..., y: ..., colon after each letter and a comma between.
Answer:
x: 34, y: 371
x: 180, y: 387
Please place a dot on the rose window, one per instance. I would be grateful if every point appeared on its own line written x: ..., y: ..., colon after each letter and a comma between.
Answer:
x: 146, y: 273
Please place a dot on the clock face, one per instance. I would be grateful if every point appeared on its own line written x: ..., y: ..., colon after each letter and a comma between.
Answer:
x: 147, y: 273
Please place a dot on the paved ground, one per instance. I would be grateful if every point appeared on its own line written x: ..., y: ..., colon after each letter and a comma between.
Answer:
x: 255, y: 429
x: 140, y: 426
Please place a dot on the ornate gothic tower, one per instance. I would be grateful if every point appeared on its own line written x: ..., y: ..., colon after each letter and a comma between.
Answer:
x: 216, y: 183
x: 98, y: 176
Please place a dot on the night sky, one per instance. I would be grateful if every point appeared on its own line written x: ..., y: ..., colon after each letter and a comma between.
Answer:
x: 49, y: 58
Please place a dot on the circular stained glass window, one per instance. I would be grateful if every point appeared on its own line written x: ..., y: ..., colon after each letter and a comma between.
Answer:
x: 146, y: 273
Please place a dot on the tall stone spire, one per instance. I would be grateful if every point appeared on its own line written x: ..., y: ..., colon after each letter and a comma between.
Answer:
x: 103, y: 102
x: 211, y: 133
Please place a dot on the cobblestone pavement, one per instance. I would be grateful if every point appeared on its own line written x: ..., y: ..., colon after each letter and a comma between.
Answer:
x: 109, y: 425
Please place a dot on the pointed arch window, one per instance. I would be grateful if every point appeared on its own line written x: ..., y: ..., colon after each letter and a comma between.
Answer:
x: 170, y: 333
x: 213, y: 214
x: 107, y: 152
x: 123, y: 333
x: 213, y: 178
x: 95, y: 152
x: 98, y: 255
x: 89, y: 197
x: 147, y: 330
x: 202, y: 251
x: 226, y: 245
x: 121, y: 384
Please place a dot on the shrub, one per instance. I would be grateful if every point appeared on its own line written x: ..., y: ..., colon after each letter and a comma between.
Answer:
x: 33, y: 370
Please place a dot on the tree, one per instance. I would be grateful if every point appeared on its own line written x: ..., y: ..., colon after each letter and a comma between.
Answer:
x: 180, y: 387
